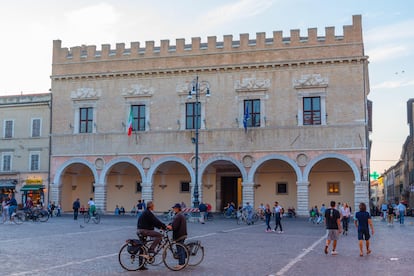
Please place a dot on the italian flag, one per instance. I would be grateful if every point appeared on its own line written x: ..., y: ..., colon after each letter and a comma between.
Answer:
x: 129, y: 124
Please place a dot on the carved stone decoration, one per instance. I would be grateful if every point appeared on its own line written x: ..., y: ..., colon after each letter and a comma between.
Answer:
x: 252, y: 84
x: 146, y: 163
x: 99, y: 163
x: 247, y: 161
x: 85, y: 93
x: 136, y: 90
x: 310, y: 80
x: 193, y: 161
x: 302, y: 159
x: 185, y: 87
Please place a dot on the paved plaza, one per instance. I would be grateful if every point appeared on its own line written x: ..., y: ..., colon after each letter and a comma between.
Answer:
x: 63, y: 246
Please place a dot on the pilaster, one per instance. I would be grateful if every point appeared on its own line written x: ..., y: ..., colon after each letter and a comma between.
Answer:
x: 100, y: 196
x: 147, y: 191
x: 361, y: 194
x: 302, y: 198
x: 248, y: 193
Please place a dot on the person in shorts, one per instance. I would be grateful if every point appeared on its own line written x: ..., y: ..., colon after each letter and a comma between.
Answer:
x: 333, y: 225
x: 363, y: 222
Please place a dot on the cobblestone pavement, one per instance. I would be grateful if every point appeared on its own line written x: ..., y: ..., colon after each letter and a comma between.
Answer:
x: 63, y: 246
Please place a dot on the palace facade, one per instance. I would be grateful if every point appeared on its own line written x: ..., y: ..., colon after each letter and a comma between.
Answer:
x: 280, y: 119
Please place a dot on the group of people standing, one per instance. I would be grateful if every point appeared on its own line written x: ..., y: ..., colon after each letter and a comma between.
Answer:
x: 277, y: 211
x: 389, y: 211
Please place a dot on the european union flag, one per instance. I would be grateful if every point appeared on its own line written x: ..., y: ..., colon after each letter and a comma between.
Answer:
x: 246, y: 118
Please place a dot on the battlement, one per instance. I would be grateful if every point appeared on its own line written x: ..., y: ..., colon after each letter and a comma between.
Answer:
x: 351, y: 34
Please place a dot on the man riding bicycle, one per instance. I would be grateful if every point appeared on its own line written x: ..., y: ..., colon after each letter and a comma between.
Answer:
x: 146, y: 224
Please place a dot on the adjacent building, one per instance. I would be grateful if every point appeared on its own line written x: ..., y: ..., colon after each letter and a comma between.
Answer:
x: 24, y: 148
x: 279, y: 118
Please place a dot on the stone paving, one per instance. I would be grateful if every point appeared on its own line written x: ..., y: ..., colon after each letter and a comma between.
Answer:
x: 63, y: 246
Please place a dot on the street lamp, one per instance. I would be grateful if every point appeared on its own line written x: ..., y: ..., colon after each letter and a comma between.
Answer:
x: 196, y: 87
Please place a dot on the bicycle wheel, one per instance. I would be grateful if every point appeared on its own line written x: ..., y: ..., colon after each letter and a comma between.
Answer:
x: 131, y: 261
x: 43, y: 216
x: 240, y: 220
x: 196, y: 253
x: 18, y: 218
x: 97, y: 218
x: 170, y: 256
x: 86, y: 217
x: 157, y: 258
x: 255, y: 217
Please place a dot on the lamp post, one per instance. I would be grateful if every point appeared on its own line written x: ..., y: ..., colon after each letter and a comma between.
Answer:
x: 196, y: 87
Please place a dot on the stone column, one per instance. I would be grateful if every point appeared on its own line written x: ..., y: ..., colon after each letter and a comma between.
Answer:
x: 248, y: 193
x: 302, y: 198
x: 361, y: 194
x: 147, y: 193
x: 100, y: 197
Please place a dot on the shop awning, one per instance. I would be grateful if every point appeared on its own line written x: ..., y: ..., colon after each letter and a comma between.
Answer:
x: 8, y: 183
x: 32, y: 187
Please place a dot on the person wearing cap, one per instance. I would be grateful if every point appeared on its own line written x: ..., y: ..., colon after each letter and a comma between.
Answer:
x: 146, y: 224
x: 179, y: 228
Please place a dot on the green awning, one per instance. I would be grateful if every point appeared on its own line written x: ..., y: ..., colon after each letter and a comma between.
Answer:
x: 8, y: 183
x: 32, y: 187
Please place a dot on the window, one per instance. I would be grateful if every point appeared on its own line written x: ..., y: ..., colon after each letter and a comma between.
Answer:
x: 333, y: 188
x: 192, y: 115
x: 8, y: 129
x: 6, y: 162
x: 36, y: 127
x: 252, y: 113
x: 138, y: 187
x: 281, y: 188
x: 311, y: 110
x: 185, y: 187
x: 86, y: 120
x: 138, y: 117
x: 34, y: 161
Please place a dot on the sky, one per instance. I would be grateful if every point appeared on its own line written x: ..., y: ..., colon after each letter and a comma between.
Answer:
x: 28, y: 28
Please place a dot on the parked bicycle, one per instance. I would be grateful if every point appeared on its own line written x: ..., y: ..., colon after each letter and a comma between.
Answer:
x: 134, y: 253
x: 96, y: 217
x: 230, y: 214
x: 16, y: 218
x: 242, y: 217
x: 35, y: 214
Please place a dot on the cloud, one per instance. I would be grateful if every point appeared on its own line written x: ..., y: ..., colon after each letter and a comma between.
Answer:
x: 401, y: 30
x: 388, y: 52
x: 235, y: 11
x: 393, y: 84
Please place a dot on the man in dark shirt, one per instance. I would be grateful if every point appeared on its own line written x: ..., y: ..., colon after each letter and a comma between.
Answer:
x: 333, y: 225
x: 363, y: 222
x: 146, y: 224
x: 179, y: 228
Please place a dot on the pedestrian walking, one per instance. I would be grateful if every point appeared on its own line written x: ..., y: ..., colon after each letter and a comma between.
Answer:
x: 203, y: 212
x: 333, y: 225
x: 278, y: 217
x: 390, y: 213
x: 268, y: 215
x: 363, y: 222
x: 401, y: 210
x: 75, y: 207
x: 346, y: 213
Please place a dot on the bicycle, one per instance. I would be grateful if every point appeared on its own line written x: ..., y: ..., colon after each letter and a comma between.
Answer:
x: 95, y: 217
x: 134, y: 253
x: 230, y: 214
x: 16, y: 218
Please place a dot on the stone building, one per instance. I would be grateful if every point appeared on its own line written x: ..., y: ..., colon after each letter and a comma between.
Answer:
x: 24, y: 147
x: 287, y: 121
x: 400, y: 177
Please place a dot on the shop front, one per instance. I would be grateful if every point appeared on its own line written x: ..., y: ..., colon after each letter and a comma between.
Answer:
x: 34, y: 189
x: 7, y: 186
